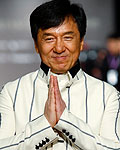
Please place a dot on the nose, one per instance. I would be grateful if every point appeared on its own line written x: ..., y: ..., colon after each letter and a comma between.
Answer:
x: 59, y: 46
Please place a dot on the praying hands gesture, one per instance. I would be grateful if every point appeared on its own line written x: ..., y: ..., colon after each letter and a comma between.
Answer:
x: 55, y: 105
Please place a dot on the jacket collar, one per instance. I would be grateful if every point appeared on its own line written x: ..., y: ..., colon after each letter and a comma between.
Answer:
x: 73, y: 71
x: 64, y: 80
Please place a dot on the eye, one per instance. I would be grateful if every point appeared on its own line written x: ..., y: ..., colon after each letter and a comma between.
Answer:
x: 68, y: 38
x: 49, y: 39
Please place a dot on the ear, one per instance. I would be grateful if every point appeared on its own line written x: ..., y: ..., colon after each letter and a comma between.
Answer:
x: 36, y: 47
x: 81, y: 44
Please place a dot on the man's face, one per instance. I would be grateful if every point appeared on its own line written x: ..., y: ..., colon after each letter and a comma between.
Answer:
x: 59, y: 47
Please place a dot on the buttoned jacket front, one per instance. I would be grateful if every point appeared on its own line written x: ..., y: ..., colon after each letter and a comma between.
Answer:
x: 90, y: 121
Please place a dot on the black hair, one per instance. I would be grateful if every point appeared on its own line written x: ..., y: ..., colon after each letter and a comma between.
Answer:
x: 114, y: 35
x: 53, y: 13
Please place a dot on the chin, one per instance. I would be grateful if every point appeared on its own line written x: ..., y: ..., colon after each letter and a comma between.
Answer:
x: 60, y: 71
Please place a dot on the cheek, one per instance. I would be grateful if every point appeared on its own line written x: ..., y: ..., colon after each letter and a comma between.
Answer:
x: 45, y: 55
x: 44, y: 50
x: 75, y: 51
x: 74, y: 46
x: 75, y: 55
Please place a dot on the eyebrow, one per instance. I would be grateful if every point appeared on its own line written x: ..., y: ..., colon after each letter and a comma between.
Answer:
x: 50, y: 34
x: 69, y: 32
x: 47, y: 34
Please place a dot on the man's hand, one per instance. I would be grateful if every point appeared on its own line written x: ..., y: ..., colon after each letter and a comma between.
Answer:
x: 50, y: 110
x: 60, y: 104
x: 55, y: 105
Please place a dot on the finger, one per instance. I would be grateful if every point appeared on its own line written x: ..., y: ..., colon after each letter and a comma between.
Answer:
x: 51, y: 81
x: 59, y: 103
x: 50, y: 87
x: 56, y: 88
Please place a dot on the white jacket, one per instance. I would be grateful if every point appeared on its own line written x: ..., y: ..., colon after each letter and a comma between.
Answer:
x: 91, y: 120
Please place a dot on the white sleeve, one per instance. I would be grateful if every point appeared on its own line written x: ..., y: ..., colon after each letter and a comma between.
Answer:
x: 37, y: 133
x: 81, y: 135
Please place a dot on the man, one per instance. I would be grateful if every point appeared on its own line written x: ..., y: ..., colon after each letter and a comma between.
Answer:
x: 59, y: 106
x: 111, y: 63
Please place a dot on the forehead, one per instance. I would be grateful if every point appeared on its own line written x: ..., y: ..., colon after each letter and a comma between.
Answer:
x: 69, y: 25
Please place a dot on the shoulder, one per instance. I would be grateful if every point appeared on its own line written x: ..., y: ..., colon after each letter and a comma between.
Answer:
x: 24, y: 81
x: 98, y: 84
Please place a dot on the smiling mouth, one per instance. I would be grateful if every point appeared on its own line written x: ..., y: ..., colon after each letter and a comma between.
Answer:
x: 59, y: 58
